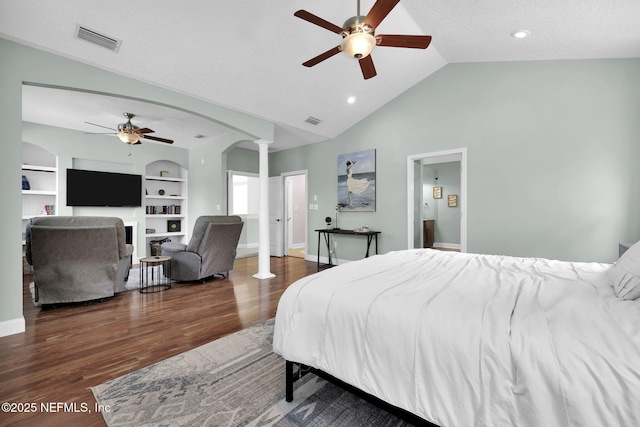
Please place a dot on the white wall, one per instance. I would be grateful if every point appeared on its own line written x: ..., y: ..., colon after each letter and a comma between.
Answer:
x: 100, y: 152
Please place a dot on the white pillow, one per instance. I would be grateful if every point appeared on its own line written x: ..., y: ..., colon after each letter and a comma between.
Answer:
x: 625, y: 274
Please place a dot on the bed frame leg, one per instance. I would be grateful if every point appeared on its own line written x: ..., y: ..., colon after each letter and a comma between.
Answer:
x: 289, y: 381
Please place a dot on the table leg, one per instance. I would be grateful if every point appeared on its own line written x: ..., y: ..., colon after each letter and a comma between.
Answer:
x: 319, y: 232
x: 369, y: 238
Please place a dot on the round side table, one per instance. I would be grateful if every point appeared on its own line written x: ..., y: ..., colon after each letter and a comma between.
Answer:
x: 155, y: 274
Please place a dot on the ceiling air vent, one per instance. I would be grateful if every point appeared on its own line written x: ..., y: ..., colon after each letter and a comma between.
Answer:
x: 313, y: 120
x: 94, y: 37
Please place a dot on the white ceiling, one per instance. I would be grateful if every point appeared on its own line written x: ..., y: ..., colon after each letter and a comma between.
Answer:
x: 246, y: 55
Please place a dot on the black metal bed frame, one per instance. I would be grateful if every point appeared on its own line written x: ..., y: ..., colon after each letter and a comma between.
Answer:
x: 295, y: 371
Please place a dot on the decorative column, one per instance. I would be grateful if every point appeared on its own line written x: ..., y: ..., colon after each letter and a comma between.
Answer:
x: 264, y: 262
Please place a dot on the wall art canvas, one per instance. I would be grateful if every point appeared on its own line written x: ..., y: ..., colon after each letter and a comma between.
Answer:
x: 357, y: 181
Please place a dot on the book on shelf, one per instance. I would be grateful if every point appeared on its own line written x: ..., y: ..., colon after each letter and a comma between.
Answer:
x: 164, y: 210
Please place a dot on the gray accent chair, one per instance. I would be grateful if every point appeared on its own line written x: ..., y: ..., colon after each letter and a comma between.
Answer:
x: 77, y: 258
x: 211, y: 250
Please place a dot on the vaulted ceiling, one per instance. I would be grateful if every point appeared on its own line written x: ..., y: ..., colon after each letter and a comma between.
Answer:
x: 246, y: 55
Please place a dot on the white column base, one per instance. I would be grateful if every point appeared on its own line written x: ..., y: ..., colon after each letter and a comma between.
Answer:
x: 264, y: 275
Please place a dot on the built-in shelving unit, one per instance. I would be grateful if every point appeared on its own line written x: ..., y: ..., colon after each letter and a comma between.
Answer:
x: 39, y: 166
x: 165, y: 201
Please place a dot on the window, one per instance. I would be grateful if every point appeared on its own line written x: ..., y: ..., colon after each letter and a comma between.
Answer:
x: 243, y: 193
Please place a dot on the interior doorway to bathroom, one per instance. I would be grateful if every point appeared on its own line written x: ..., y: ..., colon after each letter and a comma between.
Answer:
x: 295, y: 224
x: 437, y: 196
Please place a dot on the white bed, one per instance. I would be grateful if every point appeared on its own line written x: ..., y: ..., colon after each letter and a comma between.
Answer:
x: 474, y: 340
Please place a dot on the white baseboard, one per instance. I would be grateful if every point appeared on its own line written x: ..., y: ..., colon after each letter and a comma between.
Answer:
x: 11, y: 327
x: 248, y: 245
x: 441, y: 245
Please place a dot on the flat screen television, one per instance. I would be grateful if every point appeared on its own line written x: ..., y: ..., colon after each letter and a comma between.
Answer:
x: 96, y: 188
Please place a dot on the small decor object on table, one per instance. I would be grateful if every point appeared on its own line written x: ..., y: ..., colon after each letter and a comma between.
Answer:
x: 328, y: 220
x: 453, y: 200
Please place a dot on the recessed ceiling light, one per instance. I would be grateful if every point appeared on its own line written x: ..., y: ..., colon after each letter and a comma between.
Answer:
x: 520, y: 34
x: 351, y: 99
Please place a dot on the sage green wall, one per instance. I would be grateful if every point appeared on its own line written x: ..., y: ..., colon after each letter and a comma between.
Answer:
x: 244, y: 160
x: 552, y: 153
x: 24, y: 64
x: 447, y: 225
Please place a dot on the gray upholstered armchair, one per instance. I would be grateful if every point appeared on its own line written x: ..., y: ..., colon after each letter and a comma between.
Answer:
x: 211, y: 250
x: 77, y: 258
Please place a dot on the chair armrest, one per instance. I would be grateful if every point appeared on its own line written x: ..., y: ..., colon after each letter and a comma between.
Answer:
x: 173, y: 247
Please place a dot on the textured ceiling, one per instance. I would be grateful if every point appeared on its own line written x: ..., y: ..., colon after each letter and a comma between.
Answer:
x: 247, y: 55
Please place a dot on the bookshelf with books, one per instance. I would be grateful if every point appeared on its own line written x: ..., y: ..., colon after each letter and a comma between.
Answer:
x: 39, y: 182
x: 165, y: 202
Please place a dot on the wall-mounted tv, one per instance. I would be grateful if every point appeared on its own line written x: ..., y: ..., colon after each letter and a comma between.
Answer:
x: 96, y: 188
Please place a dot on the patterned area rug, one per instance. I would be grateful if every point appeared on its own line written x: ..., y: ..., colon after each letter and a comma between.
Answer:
x: 234, y: 381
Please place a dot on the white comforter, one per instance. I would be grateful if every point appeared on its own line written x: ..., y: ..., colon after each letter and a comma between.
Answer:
x: 472, y: 340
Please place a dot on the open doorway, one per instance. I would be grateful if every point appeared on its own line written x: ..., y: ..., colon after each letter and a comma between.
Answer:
x: 295, y: 199
x: 435, y: 210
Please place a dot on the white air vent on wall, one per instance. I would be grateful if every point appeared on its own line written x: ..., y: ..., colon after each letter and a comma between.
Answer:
x: 96, y: 38
x: 313, y: 120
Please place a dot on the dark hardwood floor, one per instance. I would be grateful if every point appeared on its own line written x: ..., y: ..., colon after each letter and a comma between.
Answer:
x: 65, y: 350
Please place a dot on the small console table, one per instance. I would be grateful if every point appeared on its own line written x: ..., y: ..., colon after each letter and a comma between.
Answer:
x: 327, y: 232
x: 159, y: 268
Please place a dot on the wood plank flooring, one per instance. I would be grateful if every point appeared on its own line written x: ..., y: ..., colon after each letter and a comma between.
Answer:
x: 66, y: 350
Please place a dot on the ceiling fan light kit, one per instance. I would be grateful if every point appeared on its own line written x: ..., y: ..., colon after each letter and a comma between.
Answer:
x: 359, y: 37
x: 131, y: 134
x: 129, y: 138
x: 358, y: 45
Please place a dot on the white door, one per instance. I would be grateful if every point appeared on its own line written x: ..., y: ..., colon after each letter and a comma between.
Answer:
x: 276, y: 224
x: 295, y: 213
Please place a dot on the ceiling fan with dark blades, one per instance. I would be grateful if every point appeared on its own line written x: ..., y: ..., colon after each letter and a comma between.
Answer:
x: 130, y: 133
x: 358, y: 33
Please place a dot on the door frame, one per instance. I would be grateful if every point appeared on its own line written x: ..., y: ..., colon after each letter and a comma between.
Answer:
x: 285, y: 198
x: 459, y: 154
x: 276, y: 242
